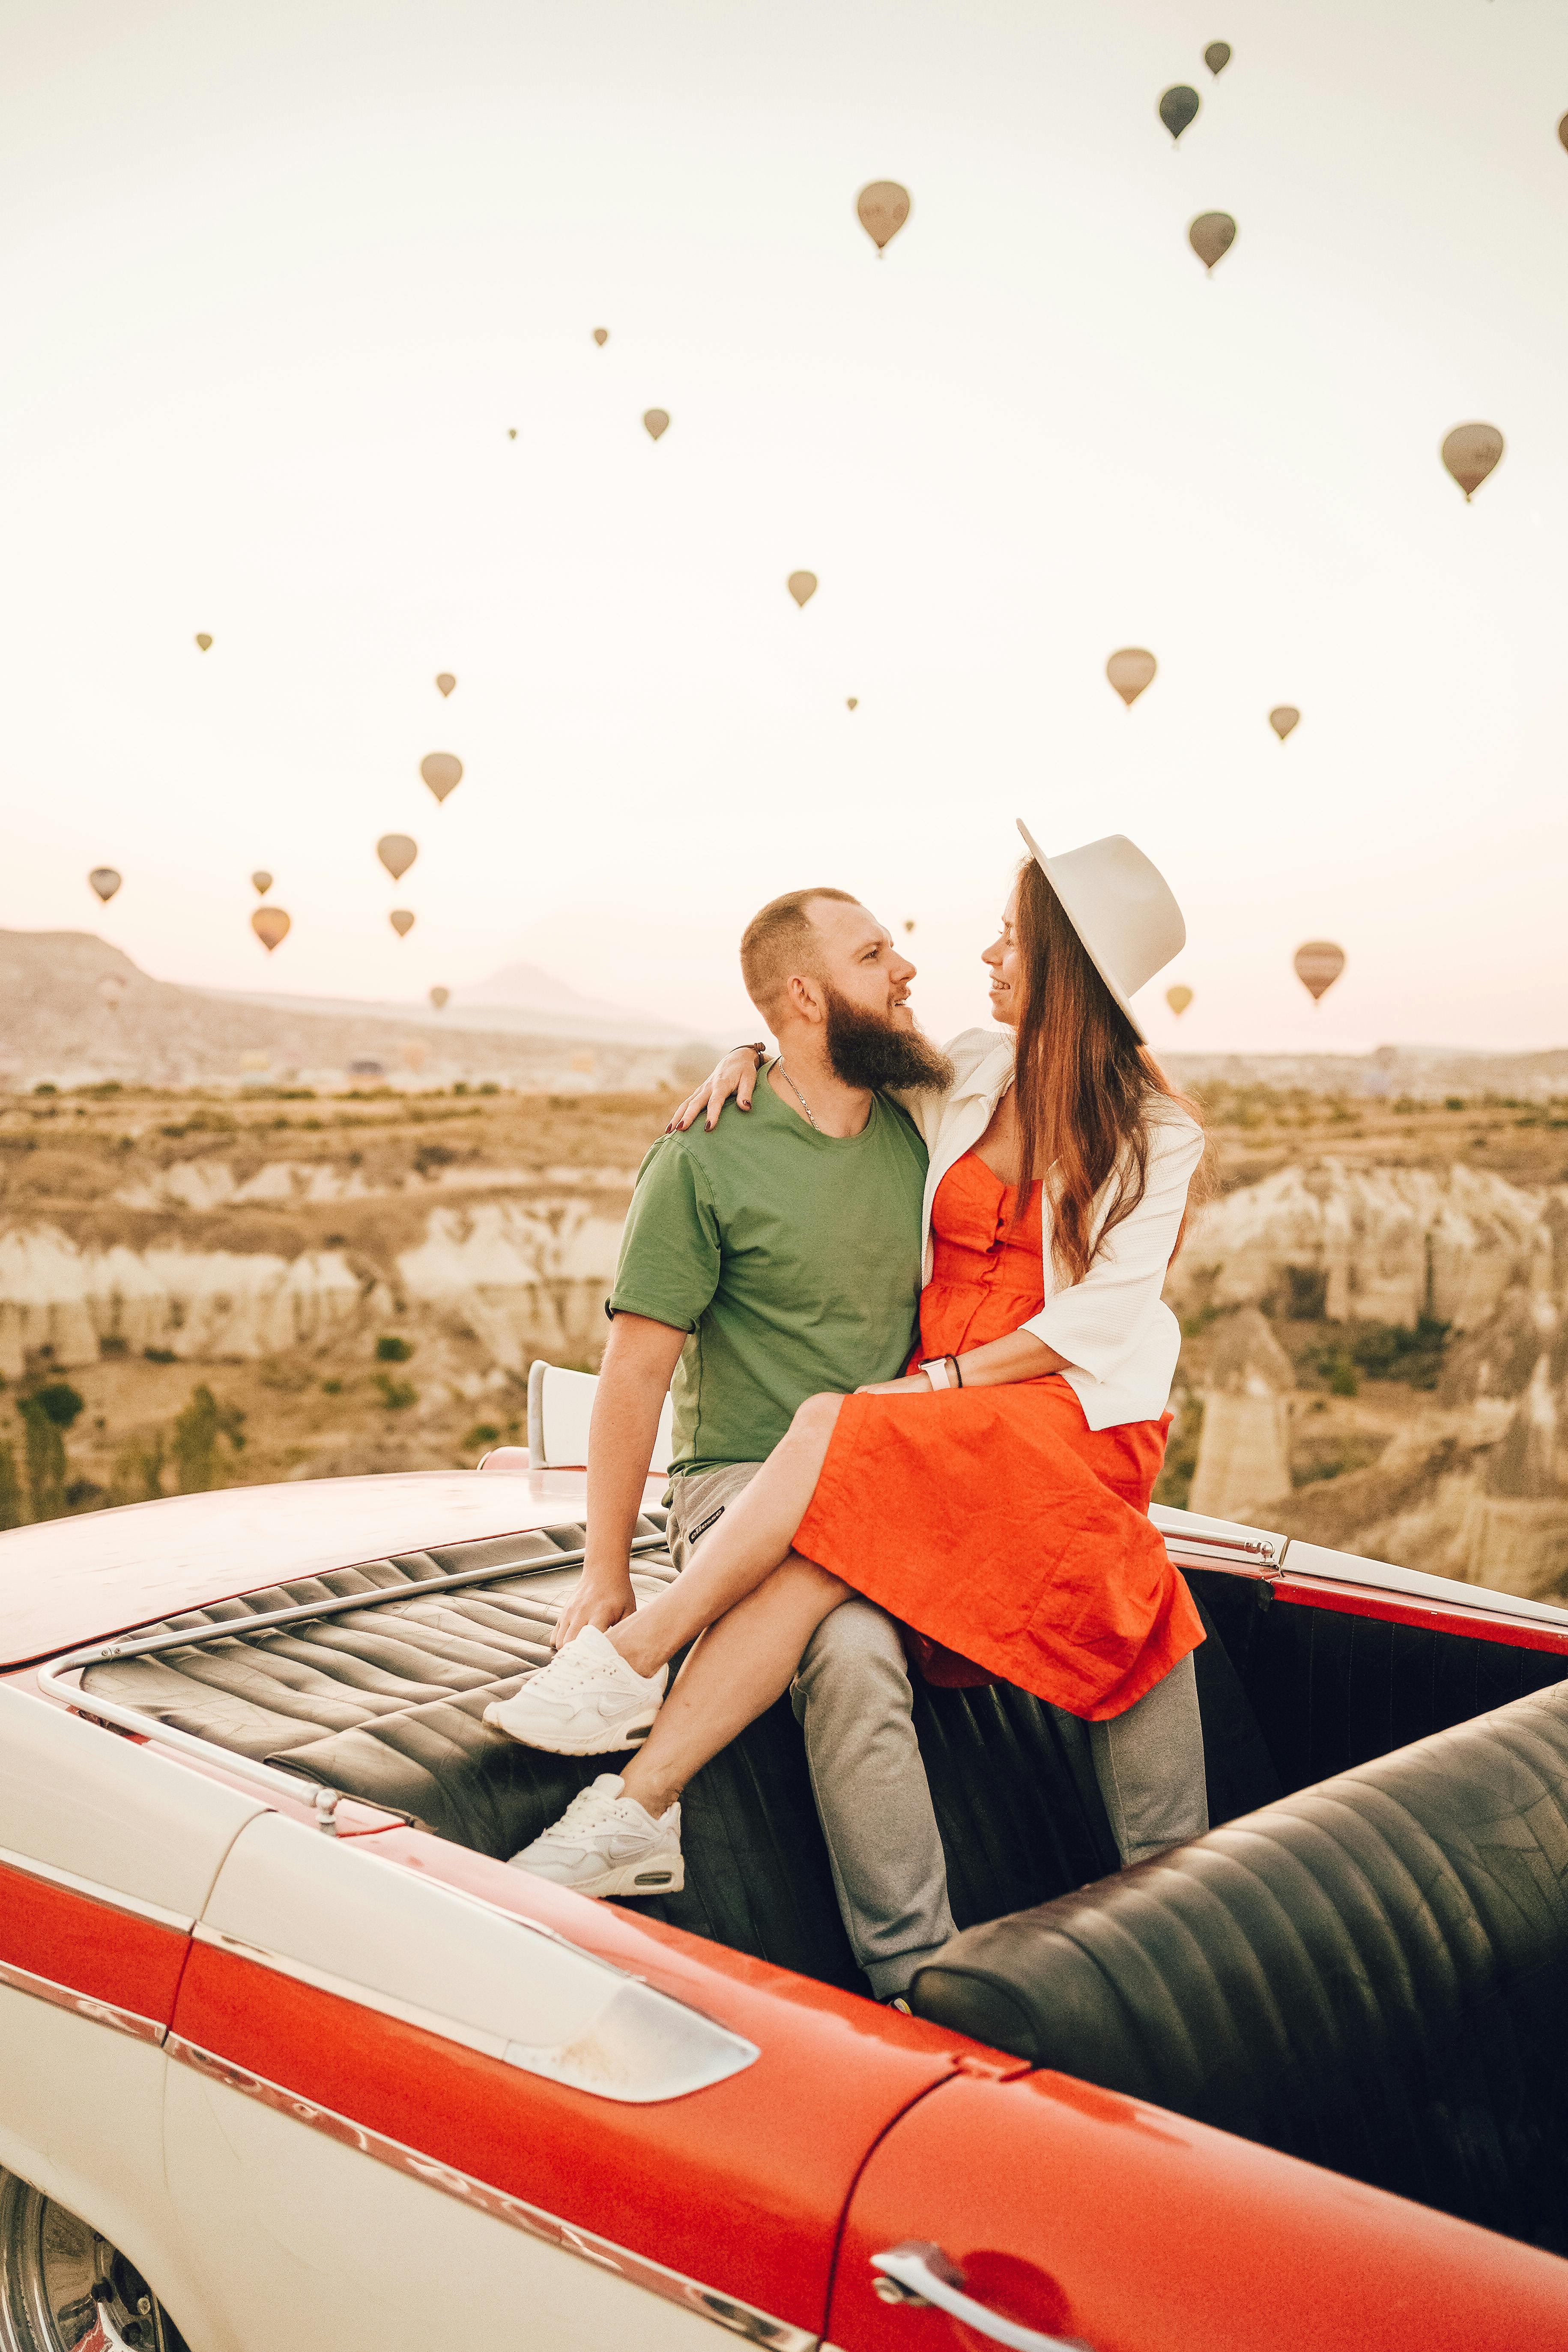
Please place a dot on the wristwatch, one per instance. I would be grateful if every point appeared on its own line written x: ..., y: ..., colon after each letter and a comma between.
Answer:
x: 942, y: 1372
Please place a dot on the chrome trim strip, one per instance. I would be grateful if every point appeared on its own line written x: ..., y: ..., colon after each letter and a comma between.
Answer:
x: 115, y: 1897
x: 1224, y: 1551
x: 81, y: 2004
x: 110, y: 1715
x: 362, y: 1996
x: 741, y: 2320
x: 228, y: 1628
x: 1379, y: 1580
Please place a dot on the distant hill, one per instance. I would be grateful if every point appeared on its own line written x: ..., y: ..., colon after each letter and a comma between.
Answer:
x: 522, y: 1001
x: 75, y: 1010
x: 525, y: 987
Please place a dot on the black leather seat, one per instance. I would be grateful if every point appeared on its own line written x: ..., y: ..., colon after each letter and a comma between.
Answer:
x: 1371, y: 1974
x: 1015, y: 1799
x: 387, y: 1703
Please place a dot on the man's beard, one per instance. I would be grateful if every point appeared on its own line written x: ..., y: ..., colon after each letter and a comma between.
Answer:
x: 866, y: 1050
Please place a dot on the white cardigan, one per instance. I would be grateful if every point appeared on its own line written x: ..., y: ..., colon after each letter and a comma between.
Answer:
x: 1120, y: 1339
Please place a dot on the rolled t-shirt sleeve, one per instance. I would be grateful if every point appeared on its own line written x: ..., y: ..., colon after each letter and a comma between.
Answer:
x: 669, y: 1260
x: 1095, y: 1322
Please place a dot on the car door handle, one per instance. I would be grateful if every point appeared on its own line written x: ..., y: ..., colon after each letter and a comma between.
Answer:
x: 916, y: 2273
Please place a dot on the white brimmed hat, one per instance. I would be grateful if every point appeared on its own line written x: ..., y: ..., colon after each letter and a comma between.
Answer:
x: 1121, y: 908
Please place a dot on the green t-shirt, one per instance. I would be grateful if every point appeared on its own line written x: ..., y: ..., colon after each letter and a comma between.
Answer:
x: 792, y: 1258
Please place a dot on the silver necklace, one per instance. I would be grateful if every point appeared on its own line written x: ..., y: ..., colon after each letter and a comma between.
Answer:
x: 797, y: 1093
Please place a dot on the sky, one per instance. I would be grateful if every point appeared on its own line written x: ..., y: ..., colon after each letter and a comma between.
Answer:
x: 281, y: 280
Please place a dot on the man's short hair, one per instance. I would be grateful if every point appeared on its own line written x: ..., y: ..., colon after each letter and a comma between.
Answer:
x: 781, y: 940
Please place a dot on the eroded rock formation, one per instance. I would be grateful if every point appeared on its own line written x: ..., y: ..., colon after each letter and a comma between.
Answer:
x: 1375, y: 1244
x: 1244, y: 1453
x: 524, y: 1279
x: 1476, y: 1487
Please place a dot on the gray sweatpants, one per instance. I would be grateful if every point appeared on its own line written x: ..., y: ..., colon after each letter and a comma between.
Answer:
x: 852, y: 1695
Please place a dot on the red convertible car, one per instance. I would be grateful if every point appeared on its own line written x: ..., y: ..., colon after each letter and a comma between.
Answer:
x: 290, y: 2059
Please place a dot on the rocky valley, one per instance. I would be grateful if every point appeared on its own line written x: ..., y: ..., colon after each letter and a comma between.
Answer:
x: 199, y: 1286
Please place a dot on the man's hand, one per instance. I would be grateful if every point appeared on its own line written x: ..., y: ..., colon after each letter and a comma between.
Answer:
x: 912, y: 1384
x: 599, y: 1600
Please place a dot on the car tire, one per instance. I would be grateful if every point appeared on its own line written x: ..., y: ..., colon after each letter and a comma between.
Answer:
x: 62, y: 2286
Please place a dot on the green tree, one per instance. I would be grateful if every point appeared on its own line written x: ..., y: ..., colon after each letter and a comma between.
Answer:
x: 45, y: 1449
x: 59, y: 1401
x: 198, y: 1431
x: 137, y: 1473
x: 12, y: 1503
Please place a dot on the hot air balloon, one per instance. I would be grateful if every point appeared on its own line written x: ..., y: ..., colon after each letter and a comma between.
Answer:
x: 851, y: 702
x: 1130, y: 671
x: 511, y: 433
x: 261, y: 881
x: 270, y: 925
x: 1216, y: 57
x: 1178, y: 107
x: 111, y: 988
x: 1211, y: 236
x: 396, y: 853
x: 883, y: 207
x: 909, y: 923
x: 438, y: 998
x: 1178, y: 999
x: 442, y: 772
x: 802, y: 586
x: 1469, y: 452
x: 203, y: 640
x: 1318, y: 965
x: 105, y: 881
x: 1563, y: 131
x: 601, y: 336
x: 445, y: 682
x: 656, y: 421
x: 1284, y: 719
x: 402, y: 921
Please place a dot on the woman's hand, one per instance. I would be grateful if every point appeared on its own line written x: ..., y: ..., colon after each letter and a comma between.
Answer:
x: 601, y: 1601
x: 735, y: 1075
x: 912, y: 1384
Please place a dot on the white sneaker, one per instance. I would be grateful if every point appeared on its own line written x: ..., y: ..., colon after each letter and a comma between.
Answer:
x: 606, y: 1844
x: 586, y: 1701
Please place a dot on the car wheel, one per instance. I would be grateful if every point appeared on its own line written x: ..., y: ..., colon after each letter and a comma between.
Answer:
x: 64, y: 2287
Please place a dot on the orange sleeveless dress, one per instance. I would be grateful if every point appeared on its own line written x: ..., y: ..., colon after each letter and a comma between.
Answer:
x: 994, y: 1523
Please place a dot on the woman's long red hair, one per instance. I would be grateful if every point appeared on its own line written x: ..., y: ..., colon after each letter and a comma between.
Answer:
x: 1086, y: 1087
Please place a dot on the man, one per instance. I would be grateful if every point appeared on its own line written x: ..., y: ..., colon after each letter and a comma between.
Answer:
x: 764, y: 1260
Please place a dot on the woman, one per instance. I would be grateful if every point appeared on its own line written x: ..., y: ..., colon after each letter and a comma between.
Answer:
x: 994, y: 1499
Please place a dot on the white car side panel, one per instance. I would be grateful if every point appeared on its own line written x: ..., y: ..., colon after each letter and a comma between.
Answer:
x: 350, y: 1921
x: 108, y: 1812
x: 317, y: 2248
x: 337, y: 1915
x: 81, y: 2117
